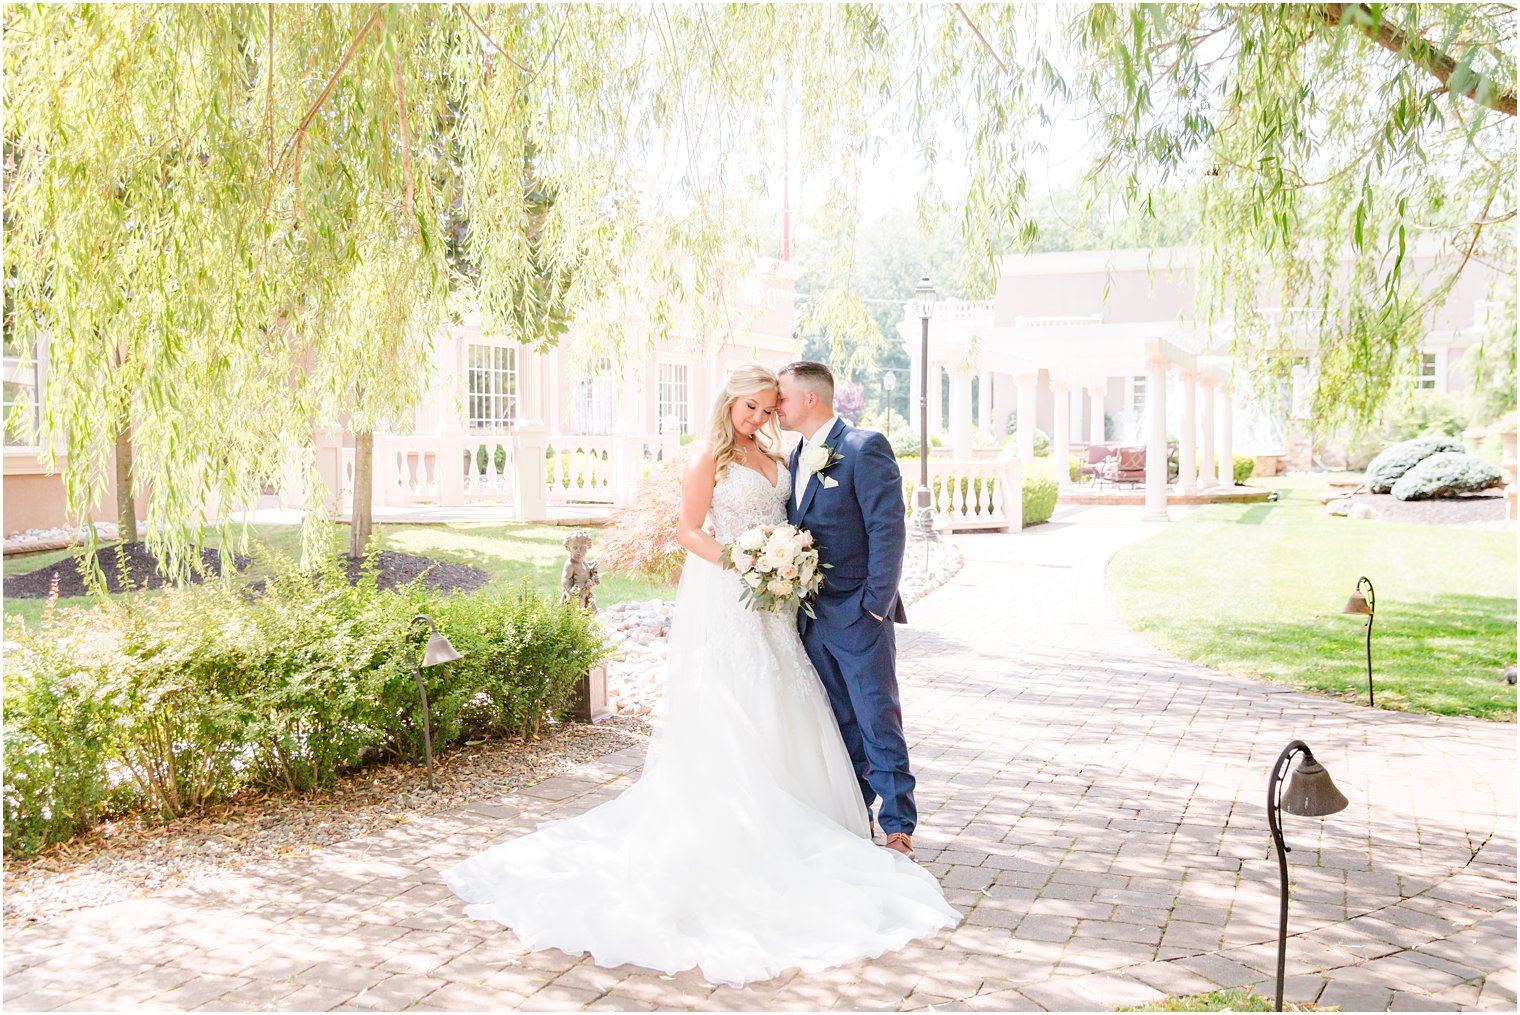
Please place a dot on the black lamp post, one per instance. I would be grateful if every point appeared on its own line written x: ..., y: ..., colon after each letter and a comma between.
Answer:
x: 1307, y: 791
x: 438, y: 652
x: 1364, y: 606
x: 923, y: 517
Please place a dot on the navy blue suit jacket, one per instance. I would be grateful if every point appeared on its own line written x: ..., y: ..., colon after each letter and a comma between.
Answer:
x: 859, y: 526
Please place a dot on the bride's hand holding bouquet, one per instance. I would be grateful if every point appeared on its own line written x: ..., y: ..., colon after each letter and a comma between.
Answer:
x: 778, y: 568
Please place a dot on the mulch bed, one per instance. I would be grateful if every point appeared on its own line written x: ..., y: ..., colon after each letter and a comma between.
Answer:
x: 1473, y: 509
x: 125, y: 566
x: 135, y: 857
x: 393, y: 569
x: 141, y: 572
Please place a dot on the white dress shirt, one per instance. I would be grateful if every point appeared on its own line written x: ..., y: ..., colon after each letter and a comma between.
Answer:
x: 800, y: 482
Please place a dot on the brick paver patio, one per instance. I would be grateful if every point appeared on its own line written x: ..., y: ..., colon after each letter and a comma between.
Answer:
x: 1094, y: 807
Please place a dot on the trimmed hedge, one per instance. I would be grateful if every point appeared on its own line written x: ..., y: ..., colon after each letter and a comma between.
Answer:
x: 1447, y: 474
x: 1243, y: 466
x: 1391, y: 464
x: 1040, y: 494
x: 172, y: 702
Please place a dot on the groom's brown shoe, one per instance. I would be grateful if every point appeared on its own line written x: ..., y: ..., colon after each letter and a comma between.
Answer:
x: 901, y: 842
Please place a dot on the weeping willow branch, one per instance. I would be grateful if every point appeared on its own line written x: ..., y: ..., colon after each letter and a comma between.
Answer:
x: 406, y: 154
x: 980, y: 37
x: 332, y: 83
x: 1421, y: 53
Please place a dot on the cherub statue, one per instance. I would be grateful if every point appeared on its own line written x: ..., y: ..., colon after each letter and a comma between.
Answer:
x: 579, y: 579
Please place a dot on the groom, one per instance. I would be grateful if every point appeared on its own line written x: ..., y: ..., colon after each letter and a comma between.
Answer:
x: 847, y: 491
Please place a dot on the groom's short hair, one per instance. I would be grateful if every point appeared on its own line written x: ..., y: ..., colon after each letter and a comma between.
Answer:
x: 813, y: 376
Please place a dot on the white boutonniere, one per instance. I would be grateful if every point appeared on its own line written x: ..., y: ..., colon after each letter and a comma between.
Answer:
x: 818, y: 459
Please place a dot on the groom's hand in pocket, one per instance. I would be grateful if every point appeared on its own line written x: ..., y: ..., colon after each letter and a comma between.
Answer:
x: 874, y: 617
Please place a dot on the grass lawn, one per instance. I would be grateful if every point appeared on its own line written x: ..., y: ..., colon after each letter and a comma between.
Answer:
x: 1257, y: 590
x: 507, y: 552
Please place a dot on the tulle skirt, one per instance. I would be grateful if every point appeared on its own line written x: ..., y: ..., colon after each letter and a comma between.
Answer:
x: 742, y: 850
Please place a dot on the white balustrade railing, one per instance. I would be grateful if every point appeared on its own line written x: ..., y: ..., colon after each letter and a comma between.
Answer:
x: 581, y: 470
x: 530, y: 470
x: 968, y: 496
x: 460, y: 469
x: 487, y: 464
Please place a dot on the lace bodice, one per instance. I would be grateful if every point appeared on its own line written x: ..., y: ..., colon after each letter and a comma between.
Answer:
x: 742, y: 498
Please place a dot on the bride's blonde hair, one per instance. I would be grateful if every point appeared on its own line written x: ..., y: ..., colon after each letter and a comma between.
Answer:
x: 748, y: 379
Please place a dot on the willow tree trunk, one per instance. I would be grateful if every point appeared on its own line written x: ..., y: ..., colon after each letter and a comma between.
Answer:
x: 361, y: 522
x: 126, y: 510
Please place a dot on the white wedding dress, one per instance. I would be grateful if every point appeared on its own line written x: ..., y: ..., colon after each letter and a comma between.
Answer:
x: 743, y: 849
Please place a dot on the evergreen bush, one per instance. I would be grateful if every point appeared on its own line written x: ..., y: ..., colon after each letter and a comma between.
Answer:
x: 1447, y: 474
x: 1391, y: 464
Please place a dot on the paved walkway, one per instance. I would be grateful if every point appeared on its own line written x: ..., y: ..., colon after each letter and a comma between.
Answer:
x: 1093, y: 806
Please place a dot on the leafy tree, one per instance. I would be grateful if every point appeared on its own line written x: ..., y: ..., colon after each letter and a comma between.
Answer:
x: 276, y: 208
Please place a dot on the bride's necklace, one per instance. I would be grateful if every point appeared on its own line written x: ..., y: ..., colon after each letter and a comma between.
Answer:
x: 742, y: 452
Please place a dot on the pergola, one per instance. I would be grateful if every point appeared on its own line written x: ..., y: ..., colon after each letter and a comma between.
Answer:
x: 1081, y: 355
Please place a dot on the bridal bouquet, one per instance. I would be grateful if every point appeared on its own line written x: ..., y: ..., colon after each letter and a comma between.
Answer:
x: 778, y: 566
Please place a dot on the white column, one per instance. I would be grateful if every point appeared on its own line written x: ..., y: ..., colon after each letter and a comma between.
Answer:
x: 1061, y: 439
x: 1208, y: 478
x: 1187, y: 455
x: 1155, y: 451
x: 984, y: 417
x: 1095, y: 433
x: 1026, y: 412
x: 530, y: 478
x: 1226, y: 438
x: 936, y: 402
x: 960, y: 414
x: 530, y: 380
x: 1000, y: 383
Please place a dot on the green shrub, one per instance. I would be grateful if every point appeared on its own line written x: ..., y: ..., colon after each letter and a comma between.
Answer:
x: 522, y: 657
x: 1447, y: 474
x: 1040, y: 494
x: 1242, y: 468
x: 1387, y: 468
x: 57, y: 739
x: 904, y: 444
x: 172, y: 702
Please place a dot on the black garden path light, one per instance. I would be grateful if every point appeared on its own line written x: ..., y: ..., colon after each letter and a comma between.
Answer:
x: 1308, y: 792
x: 923, y: 516
x: 1364, y: 606
x: 438, y: 652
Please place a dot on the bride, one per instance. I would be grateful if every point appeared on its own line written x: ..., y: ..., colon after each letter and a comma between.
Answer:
x: 744, y: 848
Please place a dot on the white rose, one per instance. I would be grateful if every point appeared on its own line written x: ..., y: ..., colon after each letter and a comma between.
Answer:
x: 742, y: 561
x: 751, y: 540
x: 753, y: 580
x: 804, y: 538
x: 780, y: 587
x: 788, y: 571
x: 814, y: 458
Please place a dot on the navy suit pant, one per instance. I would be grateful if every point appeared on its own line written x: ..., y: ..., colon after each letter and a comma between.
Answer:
x: 857, y: 664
